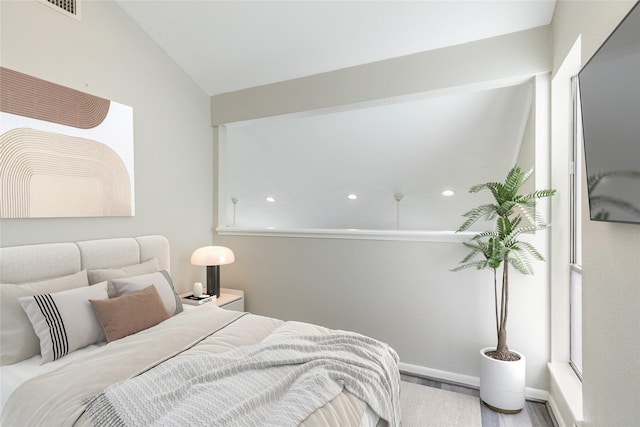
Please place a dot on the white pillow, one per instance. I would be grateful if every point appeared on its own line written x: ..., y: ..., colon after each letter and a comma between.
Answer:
x: 64, y: 321
x: 18, y: 341
x: 101, y: 274
x: 161, y: 280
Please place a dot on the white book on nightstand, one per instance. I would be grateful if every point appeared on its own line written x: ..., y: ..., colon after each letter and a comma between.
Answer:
x: 230, y: 299
x: 194, y: 300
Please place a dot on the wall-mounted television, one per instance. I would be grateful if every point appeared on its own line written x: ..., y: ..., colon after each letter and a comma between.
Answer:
x: 610, y: 100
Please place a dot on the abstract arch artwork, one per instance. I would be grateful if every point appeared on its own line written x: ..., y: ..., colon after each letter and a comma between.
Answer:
x: 63, y: 153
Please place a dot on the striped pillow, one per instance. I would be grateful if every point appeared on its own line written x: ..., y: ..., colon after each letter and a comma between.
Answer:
x: 64, y: 321
x: 17, y: 339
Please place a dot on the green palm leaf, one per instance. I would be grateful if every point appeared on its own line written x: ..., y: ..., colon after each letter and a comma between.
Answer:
x: 521, y: 264
x: 488, y: 211
x: 531, y: 249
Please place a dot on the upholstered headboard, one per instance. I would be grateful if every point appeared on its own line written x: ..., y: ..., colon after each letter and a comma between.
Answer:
x: 30, y: 263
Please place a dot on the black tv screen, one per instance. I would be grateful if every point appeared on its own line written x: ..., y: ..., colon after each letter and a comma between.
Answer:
x: 610, y: 101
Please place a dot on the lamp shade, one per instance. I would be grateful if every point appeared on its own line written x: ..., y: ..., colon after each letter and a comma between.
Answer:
x: 212, y: 255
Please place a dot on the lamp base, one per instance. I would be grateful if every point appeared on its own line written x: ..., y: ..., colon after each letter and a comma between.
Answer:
x: 213, y: 280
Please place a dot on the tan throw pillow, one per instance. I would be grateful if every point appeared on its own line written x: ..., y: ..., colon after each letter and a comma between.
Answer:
x: 101, y: 274
x: 19, y: 341
x: 131, y: 313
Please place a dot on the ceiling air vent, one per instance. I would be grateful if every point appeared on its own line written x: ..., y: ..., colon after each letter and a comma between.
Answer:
x: 68, y: 7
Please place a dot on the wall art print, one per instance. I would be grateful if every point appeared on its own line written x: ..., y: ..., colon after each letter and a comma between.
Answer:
x: 63, y: 152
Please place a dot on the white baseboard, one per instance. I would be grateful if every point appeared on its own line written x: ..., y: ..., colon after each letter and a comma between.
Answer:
x: 553, y: 406
x: 437, y: 374
x: 465, y: 380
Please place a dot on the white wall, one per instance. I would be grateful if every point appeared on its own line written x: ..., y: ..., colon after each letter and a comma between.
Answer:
x: 611, y: 277
x: 108, y: 55
x: 411, y: 148
x: 398, y: 291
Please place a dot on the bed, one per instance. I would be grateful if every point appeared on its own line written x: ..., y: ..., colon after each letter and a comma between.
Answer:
x: 94, y: 333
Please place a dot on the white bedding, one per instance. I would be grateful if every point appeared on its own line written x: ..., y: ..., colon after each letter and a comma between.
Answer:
x: 41, y: 400
x: 278, y: 382
x: 11, y: 376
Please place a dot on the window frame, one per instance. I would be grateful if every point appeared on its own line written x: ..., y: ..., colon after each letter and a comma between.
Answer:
x: 575, y: 222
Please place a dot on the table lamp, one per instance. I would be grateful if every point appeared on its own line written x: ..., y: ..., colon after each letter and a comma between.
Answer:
x: 213, y: 257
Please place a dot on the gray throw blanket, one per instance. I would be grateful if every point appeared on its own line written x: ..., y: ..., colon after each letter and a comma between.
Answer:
x: 279, y: 382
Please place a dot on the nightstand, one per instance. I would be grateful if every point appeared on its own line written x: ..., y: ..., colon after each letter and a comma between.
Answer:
x: 230, y: 299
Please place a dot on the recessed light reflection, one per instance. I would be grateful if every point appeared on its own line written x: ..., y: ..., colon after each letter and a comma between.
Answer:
x: 270, y: 199
x: 352, y: 196
x: 448, y: 193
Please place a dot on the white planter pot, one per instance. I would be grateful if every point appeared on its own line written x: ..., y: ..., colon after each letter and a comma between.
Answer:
x: 502, y: 383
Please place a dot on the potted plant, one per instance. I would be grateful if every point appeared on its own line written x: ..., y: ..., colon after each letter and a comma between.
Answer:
x: 502, y: 371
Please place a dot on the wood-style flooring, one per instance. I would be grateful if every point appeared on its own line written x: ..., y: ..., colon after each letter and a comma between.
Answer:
x: 534, y: 414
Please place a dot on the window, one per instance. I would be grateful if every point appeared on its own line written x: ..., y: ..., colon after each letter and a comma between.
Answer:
x: 575, y: 257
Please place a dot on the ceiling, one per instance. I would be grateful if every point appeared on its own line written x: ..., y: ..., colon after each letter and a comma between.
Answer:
x: 310, y: 162
x: 230, y: 45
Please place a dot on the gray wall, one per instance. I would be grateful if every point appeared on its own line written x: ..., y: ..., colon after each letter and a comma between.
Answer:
x: 398, y: 291
x: 108, y: 55
x: 515, y: 56
x: 611, y: 277
x: 402, y: 292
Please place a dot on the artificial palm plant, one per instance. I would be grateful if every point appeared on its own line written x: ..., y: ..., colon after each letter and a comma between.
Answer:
x: 514, y: 214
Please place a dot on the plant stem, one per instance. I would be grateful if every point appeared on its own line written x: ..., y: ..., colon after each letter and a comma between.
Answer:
x: 502, y: 334
x: 505, y: 291
x: 495, y: 297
